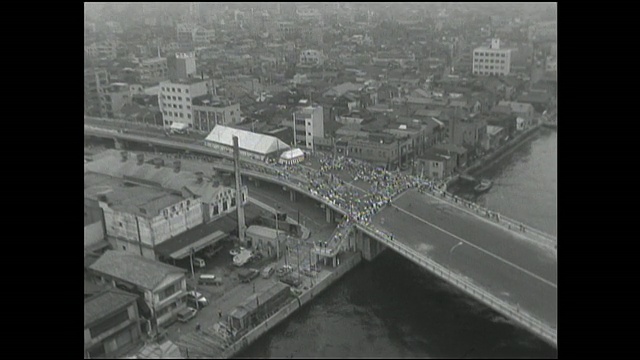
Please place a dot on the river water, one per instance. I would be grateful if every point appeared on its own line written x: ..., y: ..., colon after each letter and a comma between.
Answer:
x: 391, y: 308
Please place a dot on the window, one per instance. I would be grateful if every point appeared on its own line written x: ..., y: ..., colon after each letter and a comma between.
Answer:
x: 179, y: 90
x: 187, y: 91
x: 187, y: 98
x: 173, y: 89
x: 180, y: 98
x: 120, y: 223
x: 180, y: 106
x: 188, y: 116
x: 188, y: 107
x: 124, y: 247
x: 181, y: 115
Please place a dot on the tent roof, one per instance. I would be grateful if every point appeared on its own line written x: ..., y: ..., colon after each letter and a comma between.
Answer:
x: 247, y: 140
x: 292, y: 154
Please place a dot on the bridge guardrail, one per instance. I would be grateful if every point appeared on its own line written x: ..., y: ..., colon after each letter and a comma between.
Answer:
x: 547, y: 239
x: 523, y: 318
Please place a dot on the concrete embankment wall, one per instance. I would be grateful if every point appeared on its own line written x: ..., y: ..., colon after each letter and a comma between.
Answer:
x: 503, y: 151
x: 291, y: 307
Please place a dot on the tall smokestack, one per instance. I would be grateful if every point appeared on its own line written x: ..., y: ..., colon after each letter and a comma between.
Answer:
x: 239, y: 204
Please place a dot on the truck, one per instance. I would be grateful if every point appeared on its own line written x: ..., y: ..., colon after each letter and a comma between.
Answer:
x: 242, y: 258
x: 246, y: 275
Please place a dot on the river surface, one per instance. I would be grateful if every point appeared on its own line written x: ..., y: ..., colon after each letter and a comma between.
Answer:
x: 391, y: 308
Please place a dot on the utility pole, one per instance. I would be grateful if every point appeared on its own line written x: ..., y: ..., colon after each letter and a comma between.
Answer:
x: 277, y: 236
x: 193, y: 275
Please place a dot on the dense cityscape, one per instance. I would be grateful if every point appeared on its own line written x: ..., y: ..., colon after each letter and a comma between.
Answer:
x: 242, y: 158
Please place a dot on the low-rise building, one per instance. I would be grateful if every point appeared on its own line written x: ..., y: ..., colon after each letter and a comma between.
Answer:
x: 435, y: 165
x: 209, y: 111
x: 163, y: 287
x: 308, y: 123
x: 111, y: 324
x: 176, y: 99
x: 138, y: 217
x: 311, y: 58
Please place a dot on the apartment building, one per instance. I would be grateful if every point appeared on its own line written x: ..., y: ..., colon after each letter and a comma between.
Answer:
x: 210, y: 111
x: 94, y: 80
x: 153, y: 70
x: 308, y: 123
x: 113, y: 98
x: 491, y: 60
x: 176, y: 99
x: 185, y: 65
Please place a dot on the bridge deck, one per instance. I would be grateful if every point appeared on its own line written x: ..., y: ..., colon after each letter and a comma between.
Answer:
x: 500, y: 261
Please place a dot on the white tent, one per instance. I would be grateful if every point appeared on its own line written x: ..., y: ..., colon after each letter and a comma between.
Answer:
x: 247, y: 141
x: 292, y: 156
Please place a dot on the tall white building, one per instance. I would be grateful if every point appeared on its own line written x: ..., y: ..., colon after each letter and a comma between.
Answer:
x: 491, y: 60
x: 308, y: 122
x: 176, y: 99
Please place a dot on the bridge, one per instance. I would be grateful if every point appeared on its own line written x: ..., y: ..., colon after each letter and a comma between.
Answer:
x: 481, y: 253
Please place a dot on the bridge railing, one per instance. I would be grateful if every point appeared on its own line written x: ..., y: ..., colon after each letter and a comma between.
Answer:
x: 544, y: 238
x: 511, y: 311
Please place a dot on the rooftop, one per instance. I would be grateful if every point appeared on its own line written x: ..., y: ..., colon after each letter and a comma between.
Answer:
x: 106, y: 303
x: 249, y: 141
x: 145, y: 201
x: 137, y: 270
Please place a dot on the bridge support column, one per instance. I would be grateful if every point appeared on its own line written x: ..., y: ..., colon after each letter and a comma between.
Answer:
x: 370, y: 248
x: 119, y: 145
x: 292, y: 196
x: 335, y: 259
x: 330, y: 215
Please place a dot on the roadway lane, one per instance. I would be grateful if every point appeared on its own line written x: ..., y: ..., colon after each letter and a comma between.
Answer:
x: 498, y: 260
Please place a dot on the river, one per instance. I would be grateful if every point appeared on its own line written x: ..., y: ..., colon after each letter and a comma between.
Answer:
x: 391, y: 308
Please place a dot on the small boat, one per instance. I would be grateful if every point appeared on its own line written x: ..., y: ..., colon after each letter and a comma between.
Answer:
x: 483, y: 186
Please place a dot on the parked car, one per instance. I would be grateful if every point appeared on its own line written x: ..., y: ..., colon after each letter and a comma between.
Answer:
x: 207, y: 279
x: 187, y: 314
x: 196, y: 299
x: 199, y: 262
x: 268, y: 271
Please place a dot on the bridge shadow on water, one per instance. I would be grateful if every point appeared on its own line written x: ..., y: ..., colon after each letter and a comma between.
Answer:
x: 393, y: 308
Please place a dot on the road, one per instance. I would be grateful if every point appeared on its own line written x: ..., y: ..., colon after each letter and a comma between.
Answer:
x: 501, y: 261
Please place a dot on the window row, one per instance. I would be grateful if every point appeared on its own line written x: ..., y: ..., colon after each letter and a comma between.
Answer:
x: 176, y: 114
x: 491, y: 54
x: 489, y: 61
x: 172, y: 89
x: 178, y: 106
x: 177, y: 98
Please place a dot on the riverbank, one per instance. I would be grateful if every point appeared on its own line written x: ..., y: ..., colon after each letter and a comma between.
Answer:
x: 504, y: 150
x: 209, y: 343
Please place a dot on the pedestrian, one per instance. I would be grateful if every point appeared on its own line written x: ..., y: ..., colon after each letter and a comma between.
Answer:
x: 220, y: 314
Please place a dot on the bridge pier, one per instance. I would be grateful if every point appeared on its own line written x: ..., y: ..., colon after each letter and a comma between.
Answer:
x: 292, y: 196
x: 370, y: 248
x: 119, y: 145
x: 330, y: 215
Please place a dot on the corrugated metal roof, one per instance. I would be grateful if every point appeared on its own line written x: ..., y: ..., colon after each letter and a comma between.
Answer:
x: 134, y: 269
